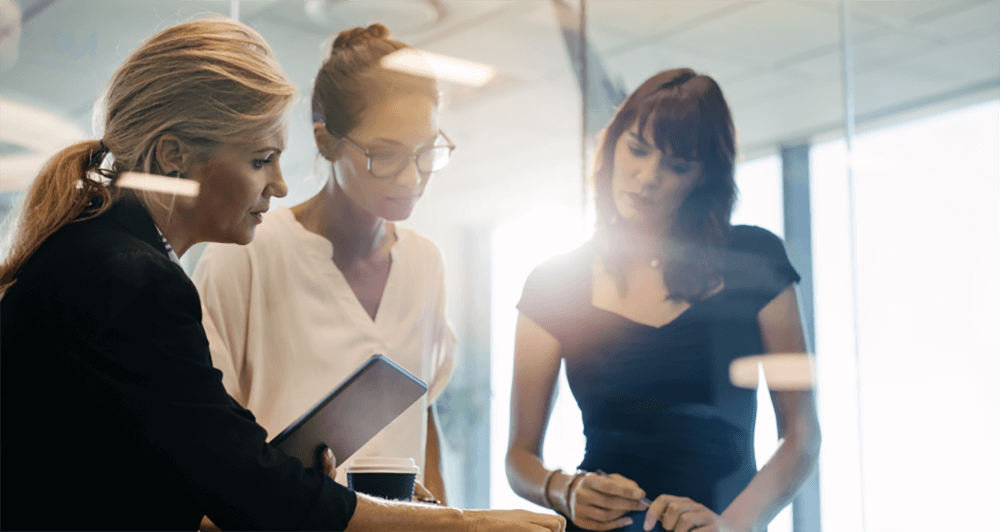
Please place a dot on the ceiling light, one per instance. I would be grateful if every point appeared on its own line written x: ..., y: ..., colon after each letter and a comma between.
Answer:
x: 156, y: 183
x: 783, y: 371
x: 442, y: 67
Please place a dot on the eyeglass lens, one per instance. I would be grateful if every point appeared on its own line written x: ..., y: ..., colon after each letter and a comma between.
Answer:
x: 390, y: 163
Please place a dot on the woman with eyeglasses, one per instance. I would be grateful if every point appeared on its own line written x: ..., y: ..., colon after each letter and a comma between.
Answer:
x: 332, y: 281
x: 113, y: 417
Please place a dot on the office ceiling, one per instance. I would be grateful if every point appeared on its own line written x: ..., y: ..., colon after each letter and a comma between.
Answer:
x: 779, y: 63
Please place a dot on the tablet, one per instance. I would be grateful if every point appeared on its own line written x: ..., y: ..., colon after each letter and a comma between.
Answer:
x: 353, y: 413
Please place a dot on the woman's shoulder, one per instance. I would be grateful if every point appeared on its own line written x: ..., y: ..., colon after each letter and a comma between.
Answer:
x: 100, y: 265
x: 567, y: 269
x: 579, y: 258
x: 751, y: 238
x: 416, y: 249
x: 756, y: 260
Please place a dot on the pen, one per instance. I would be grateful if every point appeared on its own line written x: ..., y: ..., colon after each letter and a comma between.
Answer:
x: 643, y: 500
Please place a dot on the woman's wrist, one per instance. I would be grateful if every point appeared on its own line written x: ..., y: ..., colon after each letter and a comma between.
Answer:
x: 556, y: 490
x: 574, y: 481
x: 545, y: 489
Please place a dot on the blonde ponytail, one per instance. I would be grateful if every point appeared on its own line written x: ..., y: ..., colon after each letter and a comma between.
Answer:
x: 209, y: 82
x: 62, y: 192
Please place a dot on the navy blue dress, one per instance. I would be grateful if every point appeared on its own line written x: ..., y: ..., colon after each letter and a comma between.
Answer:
x: 657, y: 403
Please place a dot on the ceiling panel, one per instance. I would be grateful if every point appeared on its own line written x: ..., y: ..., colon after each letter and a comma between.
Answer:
x: 643, y: 18
x: 909, y: 12
x: 758, y: 85
x: 638, y: 64
x: 974, y: 18
x: 794, y: 114
x: 765, y: 32
x: 880, y: 48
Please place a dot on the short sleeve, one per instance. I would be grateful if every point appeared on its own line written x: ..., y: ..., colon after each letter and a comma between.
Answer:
x: 555, y: 290
x: 757, y: 264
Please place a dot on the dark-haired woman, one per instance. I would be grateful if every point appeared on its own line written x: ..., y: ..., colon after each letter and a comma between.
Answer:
x: 334, y: 280
x: 647, y: 317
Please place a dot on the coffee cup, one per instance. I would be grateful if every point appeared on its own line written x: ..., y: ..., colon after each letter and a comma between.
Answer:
x: 388, y: 478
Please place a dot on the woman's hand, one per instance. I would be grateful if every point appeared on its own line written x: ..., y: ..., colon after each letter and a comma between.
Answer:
x: 329, y: 463
x: 513, y: 521
x: 599, y: 502
x: 422, y: 494
x: 681, y: 514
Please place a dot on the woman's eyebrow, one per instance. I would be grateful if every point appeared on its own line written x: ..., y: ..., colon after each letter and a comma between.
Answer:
x: 262, y: 150
x: 386, y: 141
x: 430, y: 140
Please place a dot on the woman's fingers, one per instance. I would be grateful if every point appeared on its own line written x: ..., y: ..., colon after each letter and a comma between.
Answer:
x: 547, y: 523
x: 668, y: 509
x: 693, y: 519
x: 615, y: 485
x: 600, y: 502
x: 594, y: 513
x: 329, y: 463
x: 421, y: 492
x: 591, y: 524
x: 626, y: 481
x: 679, y: 514
x: 596, y: 498
x: 553, y: 523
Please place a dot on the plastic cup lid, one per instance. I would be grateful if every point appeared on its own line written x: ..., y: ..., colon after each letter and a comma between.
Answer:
x: 382, y: 465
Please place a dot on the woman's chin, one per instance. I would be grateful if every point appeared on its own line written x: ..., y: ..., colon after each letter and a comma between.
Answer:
x: 243, y: 238
x: 397, y: 213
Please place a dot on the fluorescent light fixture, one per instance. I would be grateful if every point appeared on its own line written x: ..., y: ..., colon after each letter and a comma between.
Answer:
x: 17, y: 171
x: 783, y: 371
x: 36, y: 129
x: 156, y: 183
x: 41, y: 132
x: 442, y: 67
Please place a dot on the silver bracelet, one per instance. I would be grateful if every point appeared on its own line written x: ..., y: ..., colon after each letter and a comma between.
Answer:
x: 569, y: 492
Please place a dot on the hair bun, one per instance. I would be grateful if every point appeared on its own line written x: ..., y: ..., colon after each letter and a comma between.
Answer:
x: 355, y: 36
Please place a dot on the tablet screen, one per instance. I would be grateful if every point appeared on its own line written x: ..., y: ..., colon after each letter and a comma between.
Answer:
x: 353, y: 413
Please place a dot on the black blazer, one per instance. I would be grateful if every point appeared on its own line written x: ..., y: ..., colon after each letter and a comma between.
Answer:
x: 112, y: 414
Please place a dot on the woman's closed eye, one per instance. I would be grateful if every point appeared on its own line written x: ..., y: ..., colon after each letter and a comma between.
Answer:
x: 638, y: 150
x: 678, y: 167
x: 259, y: 163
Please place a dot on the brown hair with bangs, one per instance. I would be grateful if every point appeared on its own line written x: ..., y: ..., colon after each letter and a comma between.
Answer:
x: 689, y: 119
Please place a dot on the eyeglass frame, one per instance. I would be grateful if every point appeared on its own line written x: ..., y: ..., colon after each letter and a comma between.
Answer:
x: 411, y: 158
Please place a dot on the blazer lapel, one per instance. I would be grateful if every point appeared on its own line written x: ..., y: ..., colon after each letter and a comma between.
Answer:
x: 130, y: 213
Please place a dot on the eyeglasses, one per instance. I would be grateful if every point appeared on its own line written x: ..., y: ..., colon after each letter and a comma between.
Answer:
x: 386, y: 164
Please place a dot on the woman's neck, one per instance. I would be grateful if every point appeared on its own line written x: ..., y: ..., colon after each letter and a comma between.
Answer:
x: 173, y: 223
x: 354, y: 232
x: 643, y: 245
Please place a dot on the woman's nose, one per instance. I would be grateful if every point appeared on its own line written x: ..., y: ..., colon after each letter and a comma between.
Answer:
x: 277, y: 187
x: 647, y: 174
x: 409, y: 176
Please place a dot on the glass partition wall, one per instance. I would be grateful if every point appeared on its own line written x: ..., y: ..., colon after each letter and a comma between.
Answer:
x: 869, y: 140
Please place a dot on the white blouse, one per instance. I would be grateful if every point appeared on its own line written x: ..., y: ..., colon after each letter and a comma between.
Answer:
x: 285, y: 327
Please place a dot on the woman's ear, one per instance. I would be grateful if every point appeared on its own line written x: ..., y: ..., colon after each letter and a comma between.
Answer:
x: 326, y: 142
x: 171, y: 154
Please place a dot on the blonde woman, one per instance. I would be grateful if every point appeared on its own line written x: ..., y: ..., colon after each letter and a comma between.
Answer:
x: 334, y: 280
x: 112, y: 414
